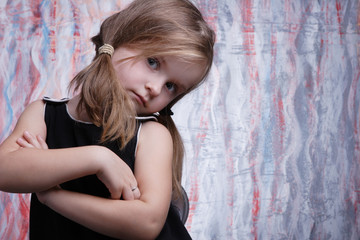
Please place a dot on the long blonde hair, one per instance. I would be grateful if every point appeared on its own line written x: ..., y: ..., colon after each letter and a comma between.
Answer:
x: 156, y: 28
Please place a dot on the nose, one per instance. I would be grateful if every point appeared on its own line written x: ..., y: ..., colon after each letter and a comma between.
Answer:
x: 154, y: 87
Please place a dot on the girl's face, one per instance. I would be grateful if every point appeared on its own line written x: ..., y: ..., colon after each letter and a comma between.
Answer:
x: 153, y: 83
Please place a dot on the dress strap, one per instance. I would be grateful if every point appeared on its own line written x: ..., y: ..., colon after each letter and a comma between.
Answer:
x: 53, y: 100
x: 145, y: 118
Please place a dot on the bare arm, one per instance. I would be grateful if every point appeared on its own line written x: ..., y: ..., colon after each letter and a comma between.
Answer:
x: 33, y: 170
x: 138, y: 219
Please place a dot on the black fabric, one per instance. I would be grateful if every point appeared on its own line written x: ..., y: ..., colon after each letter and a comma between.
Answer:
x: 63, y: 132
x: 173, y: 228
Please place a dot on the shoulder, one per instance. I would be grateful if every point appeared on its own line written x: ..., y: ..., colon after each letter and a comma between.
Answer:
x: 31, y: 120
x: 154, y: 130
x: 34, y: 109
x: 155, y: 137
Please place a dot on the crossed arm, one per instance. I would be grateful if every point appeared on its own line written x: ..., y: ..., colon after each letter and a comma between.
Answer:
x: 33, y: 168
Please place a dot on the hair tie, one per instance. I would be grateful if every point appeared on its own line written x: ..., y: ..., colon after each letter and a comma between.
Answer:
x: 166, y: 112
x: 107, y: 49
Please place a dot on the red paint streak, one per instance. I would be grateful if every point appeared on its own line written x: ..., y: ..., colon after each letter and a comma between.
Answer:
x: 287, y: 8
x: 278, y: 149
x: 357, y: 163
x: 279, y: 129
x: 358, y: 15
x: 319, y: 73
x: 338, y: 13
x: 15, y: 216
x: 209, y: 10
x: 193, y: 197
x: 248, y: 28
x: 338, y: 10
x: 53, y: 33
x: 24, y: 208
x: 327, y: 21
x: 277, y: 98
x: 256, y: 192
x: 255, y: 202
x: 230, y: 194
x: 77, y: 40
x: 194, y: 188
x: 273, y: 57
x: 201, y: 136
x: 356, y: 127
x: 249, y: 46
x: 281, y: 117
x: 8, y: 212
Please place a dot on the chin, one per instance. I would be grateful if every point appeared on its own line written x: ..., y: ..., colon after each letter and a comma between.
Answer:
x: 142, y: 113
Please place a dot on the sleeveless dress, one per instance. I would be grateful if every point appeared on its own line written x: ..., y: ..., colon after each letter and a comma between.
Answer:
x: 63, y: 132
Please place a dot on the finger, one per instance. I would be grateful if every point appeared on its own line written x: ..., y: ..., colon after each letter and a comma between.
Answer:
x: 23, y: 143
x: 136, y: 193
x: 31, y: 139
x: 115, y: 195
x: 128, y: 194
x: 42, y: 142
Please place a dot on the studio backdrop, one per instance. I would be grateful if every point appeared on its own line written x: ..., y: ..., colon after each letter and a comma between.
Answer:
x: 272, y: 137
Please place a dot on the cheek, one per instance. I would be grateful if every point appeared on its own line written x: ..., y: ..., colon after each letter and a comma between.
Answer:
x: 122, y: 82
x: 162, y: 102
x: 124, y: 79
x: 123, y: 74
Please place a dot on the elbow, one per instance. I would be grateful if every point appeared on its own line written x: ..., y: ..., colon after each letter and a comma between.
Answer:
x: 145, y: 227
x: 3, y: 177
x: 148, y: 228
x: 152, y: 228
x: 6, y: 174
x: 151, y: 221
x: 8, y: 179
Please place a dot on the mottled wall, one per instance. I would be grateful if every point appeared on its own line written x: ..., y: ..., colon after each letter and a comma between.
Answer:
x: 272, y: 138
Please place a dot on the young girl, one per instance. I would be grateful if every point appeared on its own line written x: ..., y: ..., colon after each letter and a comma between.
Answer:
x: 110, y: 163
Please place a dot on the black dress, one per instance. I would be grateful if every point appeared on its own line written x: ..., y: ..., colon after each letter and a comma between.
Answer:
x: 64, y: 132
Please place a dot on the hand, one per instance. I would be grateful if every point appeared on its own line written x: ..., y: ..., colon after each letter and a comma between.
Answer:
x: 118, y: 177
x: 30, y: 141
x: 114, y: 172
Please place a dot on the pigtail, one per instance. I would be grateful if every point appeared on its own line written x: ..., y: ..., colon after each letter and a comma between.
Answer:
x: 178, y: 153
x: 105, y: 101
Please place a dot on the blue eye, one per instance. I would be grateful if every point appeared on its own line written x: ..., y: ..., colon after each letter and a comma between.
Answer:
x: 153, y: 63
x: 170, y: 86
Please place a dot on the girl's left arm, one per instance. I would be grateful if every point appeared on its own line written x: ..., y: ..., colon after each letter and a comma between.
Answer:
x: 135, y: 219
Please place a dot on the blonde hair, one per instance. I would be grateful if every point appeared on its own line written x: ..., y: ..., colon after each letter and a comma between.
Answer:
x: 156, y: 28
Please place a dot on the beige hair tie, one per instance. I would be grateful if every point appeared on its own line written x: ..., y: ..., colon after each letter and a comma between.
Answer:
x: 107, y: 49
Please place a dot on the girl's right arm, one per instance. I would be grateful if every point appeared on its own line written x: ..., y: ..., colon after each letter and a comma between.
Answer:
x: 34, y: 170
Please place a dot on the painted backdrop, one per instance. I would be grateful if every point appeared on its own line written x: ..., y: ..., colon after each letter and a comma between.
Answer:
x: 272, y: 137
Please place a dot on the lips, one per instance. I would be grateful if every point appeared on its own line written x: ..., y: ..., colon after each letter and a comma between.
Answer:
x: 140, y: 99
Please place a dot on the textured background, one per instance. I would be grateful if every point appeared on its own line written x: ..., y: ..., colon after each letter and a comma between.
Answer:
x: 272, y: 138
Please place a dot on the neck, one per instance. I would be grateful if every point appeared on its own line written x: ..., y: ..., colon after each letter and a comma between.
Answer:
x: 72, y: 108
